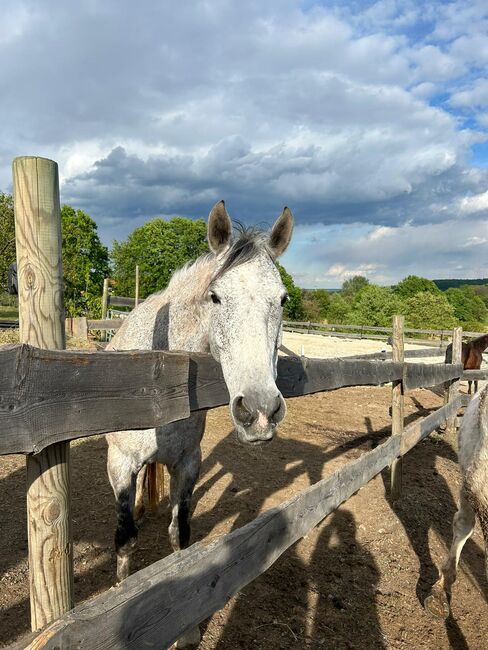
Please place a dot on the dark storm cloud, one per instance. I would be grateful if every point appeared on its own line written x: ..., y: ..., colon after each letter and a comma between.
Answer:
x: 338, y: 111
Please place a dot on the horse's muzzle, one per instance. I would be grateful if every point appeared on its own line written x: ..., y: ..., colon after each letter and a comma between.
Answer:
x: 256, y: 416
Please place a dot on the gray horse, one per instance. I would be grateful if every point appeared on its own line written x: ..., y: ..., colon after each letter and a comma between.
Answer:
x: 229, y: 303
x: 473, y: 463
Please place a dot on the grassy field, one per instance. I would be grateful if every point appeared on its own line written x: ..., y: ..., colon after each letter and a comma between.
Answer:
x: 8, y: 313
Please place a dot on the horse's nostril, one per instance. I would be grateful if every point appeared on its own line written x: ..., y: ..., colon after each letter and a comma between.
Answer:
x: 275, y: 410
x: 241, y: 411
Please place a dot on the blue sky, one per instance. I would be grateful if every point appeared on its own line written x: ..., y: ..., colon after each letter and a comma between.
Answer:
x: 369, y: 119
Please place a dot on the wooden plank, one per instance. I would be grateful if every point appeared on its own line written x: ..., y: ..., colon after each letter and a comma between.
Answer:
x: 121, y: 301
x: 41, y: 315
x: 104, y: 324
x: 472, y: 375
x: 374, y: 328
x: 153, y: 607
x: 50, y: 396
x: 424, y: 375
x: 418, y: 430
x: 104, y: 305
x: 302, y: 376
x: 397, y: 406
x: 453, y: 390
x: 337, y: 334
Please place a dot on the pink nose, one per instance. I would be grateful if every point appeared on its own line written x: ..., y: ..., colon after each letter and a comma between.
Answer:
x: 262, y: 421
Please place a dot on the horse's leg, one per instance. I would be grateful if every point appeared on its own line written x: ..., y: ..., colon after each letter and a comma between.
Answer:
x: 183, y: 476
x: 139, y: 507
x: 123, y: 481
x: 178, y: 447
x: 462, y: 527
x: 475, y: 385
x: 469, y: 386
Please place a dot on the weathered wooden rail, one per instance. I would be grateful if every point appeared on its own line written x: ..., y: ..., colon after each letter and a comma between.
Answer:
x: 51, y: 396
x: 48, y: 396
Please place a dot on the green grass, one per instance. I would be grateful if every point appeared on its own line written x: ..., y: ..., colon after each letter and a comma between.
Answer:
x: 8, y: 313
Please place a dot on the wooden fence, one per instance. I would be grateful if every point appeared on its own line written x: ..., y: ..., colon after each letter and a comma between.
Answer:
x: 51, y: 396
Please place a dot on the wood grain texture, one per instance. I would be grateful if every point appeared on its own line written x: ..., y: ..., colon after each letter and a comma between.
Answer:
x: 417, y: 431
x: 397, y: 406
x: 104, y: 324
x: 49, y: 396
x: 154, y: 606
x: 41, y: 316
x: 424, y: 375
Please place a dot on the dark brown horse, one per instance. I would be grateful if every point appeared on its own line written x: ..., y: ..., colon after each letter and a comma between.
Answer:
x: 471, y: 356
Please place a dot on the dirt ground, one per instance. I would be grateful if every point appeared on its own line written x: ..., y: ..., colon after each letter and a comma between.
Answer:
x: 356, y: 581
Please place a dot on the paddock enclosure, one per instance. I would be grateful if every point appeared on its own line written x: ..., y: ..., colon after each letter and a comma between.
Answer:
x: 351, y: 582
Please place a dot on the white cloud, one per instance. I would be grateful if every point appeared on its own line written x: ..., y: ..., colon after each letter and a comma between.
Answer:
x: 477, y: 203
x: 338, y: 110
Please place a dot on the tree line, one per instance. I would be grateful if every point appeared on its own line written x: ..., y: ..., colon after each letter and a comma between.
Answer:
x: 161, y: 246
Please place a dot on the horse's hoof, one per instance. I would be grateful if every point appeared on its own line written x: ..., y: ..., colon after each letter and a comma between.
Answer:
x: 188, y: 639
x: 436, y: 604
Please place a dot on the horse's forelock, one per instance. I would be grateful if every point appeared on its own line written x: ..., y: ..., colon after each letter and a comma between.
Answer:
x: 249, y: 243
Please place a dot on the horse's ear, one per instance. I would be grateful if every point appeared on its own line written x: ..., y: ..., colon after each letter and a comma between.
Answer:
x: 280, y: 234
x: 219, y: 230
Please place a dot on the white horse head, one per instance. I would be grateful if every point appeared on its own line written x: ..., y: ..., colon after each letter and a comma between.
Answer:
x: 247, y: 298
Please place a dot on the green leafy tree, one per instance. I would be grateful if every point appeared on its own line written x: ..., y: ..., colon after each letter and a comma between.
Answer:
x: 85, y: 260
x: 353, y: 285
x: 339, y: 310
x: 293, y: 309
x: 426, y: 310
x: 375, y: 305
x: 414, y: 284
x: 315, y: 304
x: 159, y: 247
x: 7, y: 237
x: 468, y: 307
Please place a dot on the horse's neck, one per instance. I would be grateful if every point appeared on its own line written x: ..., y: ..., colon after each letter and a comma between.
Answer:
x: 481, y: 343
x: 174, y: 319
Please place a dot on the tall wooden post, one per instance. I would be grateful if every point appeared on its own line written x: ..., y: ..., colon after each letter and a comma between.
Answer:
x: 104, y: 306
x: 41, y: 315
x: 453, y: 390
x: 397, y: 406
x: 137, y: 286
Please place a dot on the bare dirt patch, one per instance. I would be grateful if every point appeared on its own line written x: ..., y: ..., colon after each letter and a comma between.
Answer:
x: 356, y: 581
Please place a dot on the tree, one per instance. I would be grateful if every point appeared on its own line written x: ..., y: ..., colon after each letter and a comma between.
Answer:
x: 468, y: 307
x: 414, y: 284
x: 339, y: 310
x: 375, y: 305
x: 353, y: 285
x: 426, y: 310
x: 7, y: 237
x: 159, y: 247
x: 85, y: 260
x: 293, y: 309
x: 315, y: 304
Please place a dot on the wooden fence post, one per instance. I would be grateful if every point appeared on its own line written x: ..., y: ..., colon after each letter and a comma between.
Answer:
x: 397, y: 406
x: 41, y: 315
x: 104, y: 306
x: 453, y: 389
x: 137, y: 287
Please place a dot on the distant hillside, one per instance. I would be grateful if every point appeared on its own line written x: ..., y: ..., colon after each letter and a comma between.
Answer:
x: 447, y: 284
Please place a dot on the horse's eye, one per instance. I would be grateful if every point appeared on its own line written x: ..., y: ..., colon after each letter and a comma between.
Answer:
x: 284, y: 299
x: 215, y: 298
